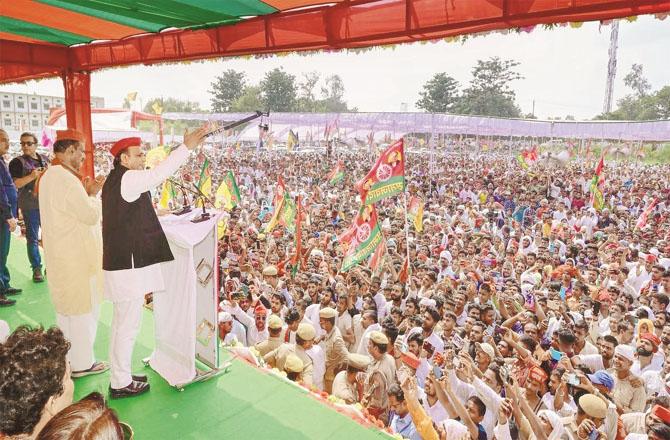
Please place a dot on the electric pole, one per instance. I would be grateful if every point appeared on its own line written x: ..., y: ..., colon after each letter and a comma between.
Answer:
x: 611, y: 67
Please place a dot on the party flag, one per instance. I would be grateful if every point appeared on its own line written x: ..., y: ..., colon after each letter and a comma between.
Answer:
x: 415, y: 213
x: 167, y: 194
x: 404, y: 273
x: 387, y: 176
x: 642, y: 220
x: 292, y: 140
x: 364, y: 237
x: 228, y: 194
x: 336, y: 174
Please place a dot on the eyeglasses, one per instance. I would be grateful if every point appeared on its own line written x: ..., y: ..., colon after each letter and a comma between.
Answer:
x: 29, y: 144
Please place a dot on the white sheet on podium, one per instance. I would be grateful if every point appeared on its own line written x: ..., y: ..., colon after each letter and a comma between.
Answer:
x: 175, y: 308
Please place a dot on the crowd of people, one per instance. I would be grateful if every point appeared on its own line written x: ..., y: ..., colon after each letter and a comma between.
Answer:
x: 516, y: 310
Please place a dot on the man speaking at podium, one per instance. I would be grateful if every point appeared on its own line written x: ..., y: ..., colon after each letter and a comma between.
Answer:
x: 134, y: 245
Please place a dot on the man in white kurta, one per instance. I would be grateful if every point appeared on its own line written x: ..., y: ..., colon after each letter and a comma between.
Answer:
x: 72, y: 243
x: 126, y: 287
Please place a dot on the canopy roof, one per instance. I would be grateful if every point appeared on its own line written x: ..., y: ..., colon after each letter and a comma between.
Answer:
x: 42, y: 38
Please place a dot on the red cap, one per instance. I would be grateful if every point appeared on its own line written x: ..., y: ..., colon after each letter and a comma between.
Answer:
x: 410, y: 360
x: 661, y: 413
x: 651, y: 338
x: 124, y: 143
x: 651, y: 258
x: 70, y: 134
x: 537, y: 374
x: 604, y: 296
x: 260, y: 310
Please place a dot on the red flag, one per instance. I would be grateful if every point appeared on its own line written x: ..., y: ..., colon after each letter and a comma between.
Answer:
x: 378, y: 256
x: 403, y: 275
x: 642, y: 221
x: 387, y: 176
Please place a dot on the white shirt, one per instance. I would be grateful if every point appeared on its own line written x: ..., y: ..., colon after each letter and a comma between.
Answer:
x: 133, y: 284
x: 363, y: 343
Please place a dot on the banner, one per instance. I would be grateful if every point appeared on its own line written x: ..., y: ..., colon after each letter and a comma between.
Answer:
x: 364, y: 237
x: 415, y: 213
x: 387, y: 176
x: 337, y: 174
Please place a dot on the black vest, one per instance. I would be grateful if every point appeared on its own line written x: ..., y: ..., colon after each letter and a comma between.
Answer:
x: 131, y: 232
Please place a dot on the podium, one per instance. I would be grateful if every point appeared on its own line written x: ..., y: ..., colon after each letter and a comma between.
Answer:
x: 185, y: 313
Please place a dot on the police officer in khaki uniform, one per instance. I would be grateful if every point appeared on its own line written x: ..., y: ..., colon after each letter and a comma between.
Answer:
x: 304, y: 339
x: 380, y: 376
x: 333, y: 345
x: 348, y: 384
x: 275, y: 325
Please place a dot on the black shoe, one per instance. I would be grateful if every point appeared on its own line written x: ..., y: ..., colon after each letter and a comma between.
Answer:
x: 12, y: 291
x: 140, y: 378
x: 37, y: 275
x: 6, y: 302
x: 134, y: 389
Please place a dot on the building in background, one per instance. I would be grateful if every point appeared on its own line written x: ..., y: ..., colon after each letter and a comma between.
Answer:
x: 21, y: 112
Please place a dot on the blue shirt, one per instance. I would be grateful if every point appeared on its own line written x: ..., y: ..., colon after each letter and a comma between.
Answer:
x: 404, y: 426
x: 8, y: 193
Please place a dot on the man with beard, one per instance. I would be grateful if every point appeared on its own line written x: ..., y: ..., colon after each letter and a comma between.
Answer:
x: 626, y: 395
x: 602, y: 361
x: 647, y: 346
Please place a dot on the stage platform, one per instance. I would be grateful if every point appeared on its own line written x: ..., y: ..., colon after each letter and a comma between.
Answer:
x: 244, y: 403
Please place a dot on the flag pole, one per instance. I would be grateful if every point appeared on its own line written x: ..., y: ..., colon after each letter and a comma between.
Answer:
x: 404, y: 193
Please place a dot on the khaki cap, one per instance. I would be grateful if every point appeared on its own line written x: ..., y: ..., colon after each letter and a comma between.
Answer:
x: 270, y: 271
x: 275, y: 322
x: 358, y: 361
x: 293, y: 364
x: 379, y: 338
x: 306, y: 332
x: 327, y: 312
x: 593, y: 406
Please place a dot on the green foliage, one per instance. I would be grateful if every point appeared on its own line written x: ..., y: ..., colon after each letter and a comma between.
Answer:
x: 489, y: 92
x: 249, y: 100
x: 439, y: 95
x: 278, y: 91
x: 226, y: 89
x: 642, y: 104
x: 172, y: 105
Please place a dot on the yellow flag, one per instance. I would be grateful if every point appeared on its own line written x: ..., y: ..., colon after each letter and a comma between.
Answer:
x: 157, y: 108
x: 221, y: 229
x: 223, y: 197
x: 131, y: 97
x: 166, y: 194
x: 418, y: 220
x: 155, y: 156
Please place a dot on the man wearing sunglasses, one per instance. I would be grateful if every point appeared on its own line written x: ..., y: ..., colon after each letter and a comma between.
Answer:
x: 25, y: 170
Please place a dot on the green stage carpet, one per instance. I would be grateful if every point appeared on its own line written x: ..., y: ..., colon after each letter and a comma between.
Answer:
x: 241, y: 404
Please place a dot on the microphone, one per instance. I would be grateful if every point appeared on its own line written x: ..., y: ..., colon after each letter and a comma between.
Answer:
x: 205, y: 215
x: 186, y: 206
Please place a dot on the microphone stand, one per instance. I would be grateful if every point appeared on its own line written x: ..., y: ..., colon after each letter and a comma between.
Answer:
x: 204, y: 199
x: 186, y: 208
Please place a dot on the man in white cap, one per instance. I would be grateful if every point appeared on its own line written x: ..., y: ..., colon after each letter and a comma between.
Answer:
x: 484, y: 355
x: 226, y: 334
x: 333, y: 345
x: 629, y: 394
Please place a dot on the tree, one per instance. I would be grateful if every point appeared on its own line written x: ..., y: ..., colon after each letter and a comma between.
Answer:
x: 439, y: 95
x: 249, y: 101
x: 307, y: 98
x: 489, y: 92
x: 663, y: 103
x: 171, y: 105
x: 278, y: 91
x: 636, y: 81
x: 226, y: 89
x: 333, y: 96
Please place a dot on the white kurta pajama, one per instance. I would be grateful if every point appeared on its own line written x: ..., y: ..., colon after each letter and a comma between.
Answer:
x: 72, y: 242
x: 126, y: 288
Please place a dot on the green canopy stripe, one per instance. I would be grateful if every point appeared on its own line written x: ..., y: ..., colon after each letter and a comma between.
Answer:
x: 42, y: 33
x: 157, y: 15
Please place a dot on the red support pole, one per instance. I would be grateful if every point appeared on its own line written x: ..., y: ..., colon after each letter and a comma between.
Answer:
x: 78, y: 109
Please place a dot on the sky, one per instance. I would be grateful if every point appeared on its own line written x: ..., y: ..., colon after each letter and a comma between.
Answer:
x: 564, y: 70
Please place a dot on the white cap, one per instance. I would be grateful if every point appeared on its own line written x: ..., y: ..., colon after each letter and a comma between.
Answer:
x: 225, y: 317
x: 625, y: 351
